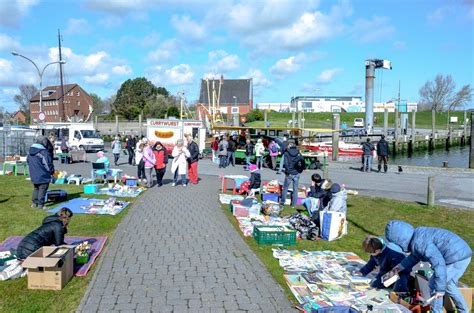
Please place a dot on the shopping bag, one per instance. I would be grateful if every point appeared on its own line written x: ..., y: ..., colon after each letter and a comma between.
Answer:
x: 333, y: 225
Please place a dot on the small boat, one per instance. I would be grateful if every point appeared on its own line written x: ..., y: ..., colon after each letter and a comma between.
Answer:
x: 326, y: 146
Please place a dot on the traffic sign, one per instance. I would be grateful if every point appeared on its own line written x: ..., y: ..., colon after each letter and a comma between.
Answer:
x: 41, y: 116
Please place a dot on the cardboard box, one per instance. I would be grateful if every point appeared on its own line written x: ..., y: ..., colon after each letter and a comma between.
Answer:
x: 467, y: 293
x: 50, y: 268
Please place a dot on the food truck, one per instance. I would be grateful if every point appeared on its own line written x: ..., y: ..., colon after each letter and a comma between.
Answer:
x: 168, y: 131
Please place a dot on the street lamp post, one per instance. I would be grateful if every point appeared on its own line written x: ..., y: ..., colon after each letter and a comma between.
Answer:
x: 40, y: 74
x: 234, y: 115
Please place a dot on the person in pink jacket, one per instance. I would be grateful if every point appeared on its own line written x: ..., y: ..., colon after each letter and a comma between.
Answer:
x: 149, y: 162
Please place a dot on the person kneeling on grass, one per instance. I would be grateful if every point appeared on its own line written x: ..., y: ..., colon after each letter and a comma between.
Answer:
x: 50, y: 233
x: 385, y: 259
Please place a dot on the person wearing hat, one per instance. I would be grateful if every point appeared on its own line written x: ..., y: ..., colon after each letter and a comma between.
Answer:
x: 338, y: 202
x: 41, y: 168
x: 255, y: 179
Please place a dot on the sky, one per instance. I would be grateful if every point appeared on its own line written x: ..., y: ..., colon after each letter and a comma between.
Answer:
x: 288, y: 47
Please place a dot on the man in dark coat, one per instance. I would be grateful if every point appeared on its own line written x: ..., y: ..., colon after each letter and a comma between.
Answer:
x: 193, y: 159
x: 231, y: 152
x: 131, y: 145
x: 41, y: 169
x: 382, y: 152
x: 51, y: 232
x: 292, y: 173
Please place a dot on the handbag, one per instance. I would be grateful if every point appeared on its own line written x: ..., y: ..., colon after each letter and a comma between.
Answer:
x: 333, y: 225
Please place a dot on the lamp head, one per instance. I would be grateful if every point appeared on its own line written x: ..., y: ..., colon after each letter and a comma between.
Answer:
x: 14, y: 53
x: 62, y: 62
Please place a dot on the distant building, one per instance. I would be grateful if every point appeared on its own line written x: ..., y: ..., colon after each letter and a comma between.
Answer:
x: 19, y: 116
x: 74, y: 106
x: 344, y: 104
x: 274, y: 106
x: 236, y: 97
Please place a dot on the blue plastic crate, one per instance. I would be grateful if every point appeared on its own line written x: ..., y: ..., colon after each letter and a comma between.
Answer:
x: 90, y: 189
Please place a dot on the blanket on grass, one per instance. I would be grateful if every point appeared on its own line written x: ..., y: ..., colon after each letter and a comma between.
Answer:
x: 90, y: 206
x: 97, y: 244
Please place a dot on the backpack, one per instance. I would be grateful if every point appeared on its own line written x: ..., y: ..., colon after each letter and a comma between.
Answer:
x: 273, y: 148
x: 300, y: 165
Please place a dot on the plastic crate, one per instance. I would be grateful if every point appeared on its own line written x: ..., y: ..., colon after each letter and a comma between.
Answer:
x: 132, y: 182
x: 90, y: 189
x: 283, y: 237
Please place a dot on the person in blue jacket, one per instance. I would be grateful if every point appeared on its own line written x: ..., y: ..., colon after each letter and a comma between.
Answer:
x: 448, y: 254
x: 41, y: 168
x: 385, y: 258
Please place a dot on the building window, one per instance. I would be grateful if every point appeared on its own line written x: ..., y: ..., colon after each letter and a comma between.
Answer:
x: 234, y: 110
x: 306, y: 105
x: 78, y: 93
x: 78, y: 102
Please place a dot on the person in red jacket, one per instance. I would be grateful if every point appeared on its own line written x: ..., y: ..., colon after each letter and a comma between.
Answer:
x: 161, y: 156
x: 214, y: 148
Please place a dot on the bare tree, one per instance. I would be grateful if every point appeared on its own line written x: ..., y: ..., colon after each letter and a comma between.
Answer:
x: 23, y: 99
x: 440, y: 94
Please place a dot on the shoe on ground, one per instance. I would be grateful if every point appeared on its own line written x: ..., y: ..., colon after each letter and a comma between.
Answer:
x: 34, y: 206
x: 184, y: 185
x: 173, y: 184
x: 44, y: 208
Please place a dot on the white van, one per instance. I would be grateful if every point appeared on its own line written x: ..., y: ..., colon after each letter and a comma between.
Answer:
x: 80, y: 135
x: 358, y: 122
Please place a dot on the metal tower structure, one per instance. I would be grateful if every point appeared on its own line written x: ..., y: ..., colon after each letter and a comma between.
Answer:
x: 370, y: 66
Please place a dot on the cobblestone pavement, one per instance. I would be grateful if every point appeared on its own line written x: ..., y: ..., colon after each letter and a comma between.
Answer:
x: 176, y: 251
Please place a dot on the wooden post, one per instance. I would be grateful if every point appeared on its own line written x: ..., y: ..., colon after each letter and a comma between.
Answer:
x: 325, y: 166
x: 96, y: 122
x: 116, y: 125
x: 431, y: 192
x: 335, y: 136
x: 464, y: 132
x: 395, y: 142
x: 265, y: 116
x: 431, y: 144
x: 385, y: 122
x: 471, y: 148
x: 413, y: 126
x: 140, y: 125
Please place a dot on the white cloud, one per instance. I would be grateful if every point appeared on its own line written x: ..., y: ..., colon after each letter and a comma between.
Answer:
x: 286, y: 25
x: 377, y: 28
x: 110, y: 21
x: 290, y: 65
x: 77, y: 26
x: 222, y: 62
x: 438, y: 15
x: 97, y: 79
x: 188, y: 28
x: 122, y: 70
x: 326, y: 76
x: 166, y: 50
x: 12, y: 11
x: 10, y: 75
x: 259, y: 79
x: 7, y: 43
x: 6, y: 97
x: 181, y: 74
x: 399, y: 45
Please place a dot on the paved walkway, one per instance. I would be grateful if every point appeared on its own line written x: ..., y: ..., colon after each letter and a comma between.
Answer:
x: 176, y: 251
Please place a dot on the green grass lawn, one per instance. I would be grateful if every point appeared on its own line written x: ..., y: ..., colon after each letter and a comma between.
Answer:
x: 323, y: 120
x: 369, y: 216
x: 17, y: 219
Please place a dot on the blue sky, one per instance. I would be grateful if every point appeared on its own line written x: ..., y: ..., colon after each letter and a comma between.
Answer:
x: 288, y: 47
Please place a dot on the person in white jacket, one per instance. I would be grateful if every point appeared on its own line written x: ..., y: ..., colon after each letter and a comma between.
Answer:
x: 180, y: 164
x: 139, y: 160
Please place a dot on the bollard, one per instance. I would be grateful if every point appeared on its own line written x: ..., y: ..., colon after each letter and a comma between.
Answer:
x: 445, y: 164
x: 325, y: 166
x: 431, y: 192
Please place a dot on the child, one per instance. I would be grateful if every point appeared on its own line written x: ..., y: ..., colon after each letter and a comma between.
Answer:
x: 385, y: 258
x: 255, y: 180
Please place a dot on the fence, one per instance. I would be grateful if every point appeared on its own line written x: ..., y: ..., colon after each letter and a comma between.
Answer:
x: 16, y: 141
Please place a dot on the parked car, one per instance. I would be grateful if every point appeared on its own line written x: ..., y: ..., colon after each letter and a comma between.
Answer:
x: 358, y: 122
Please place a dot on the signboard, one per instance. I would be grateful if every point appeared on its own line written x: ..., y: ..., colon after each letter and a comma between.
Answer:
x: 453, y: 119
x: 41, y: 117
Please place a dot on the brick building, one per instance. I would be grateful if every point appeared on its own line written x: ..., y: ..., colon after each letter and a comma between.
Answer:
x: 74, y: 106
x: 236, y: 97
x: 19, y: 117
